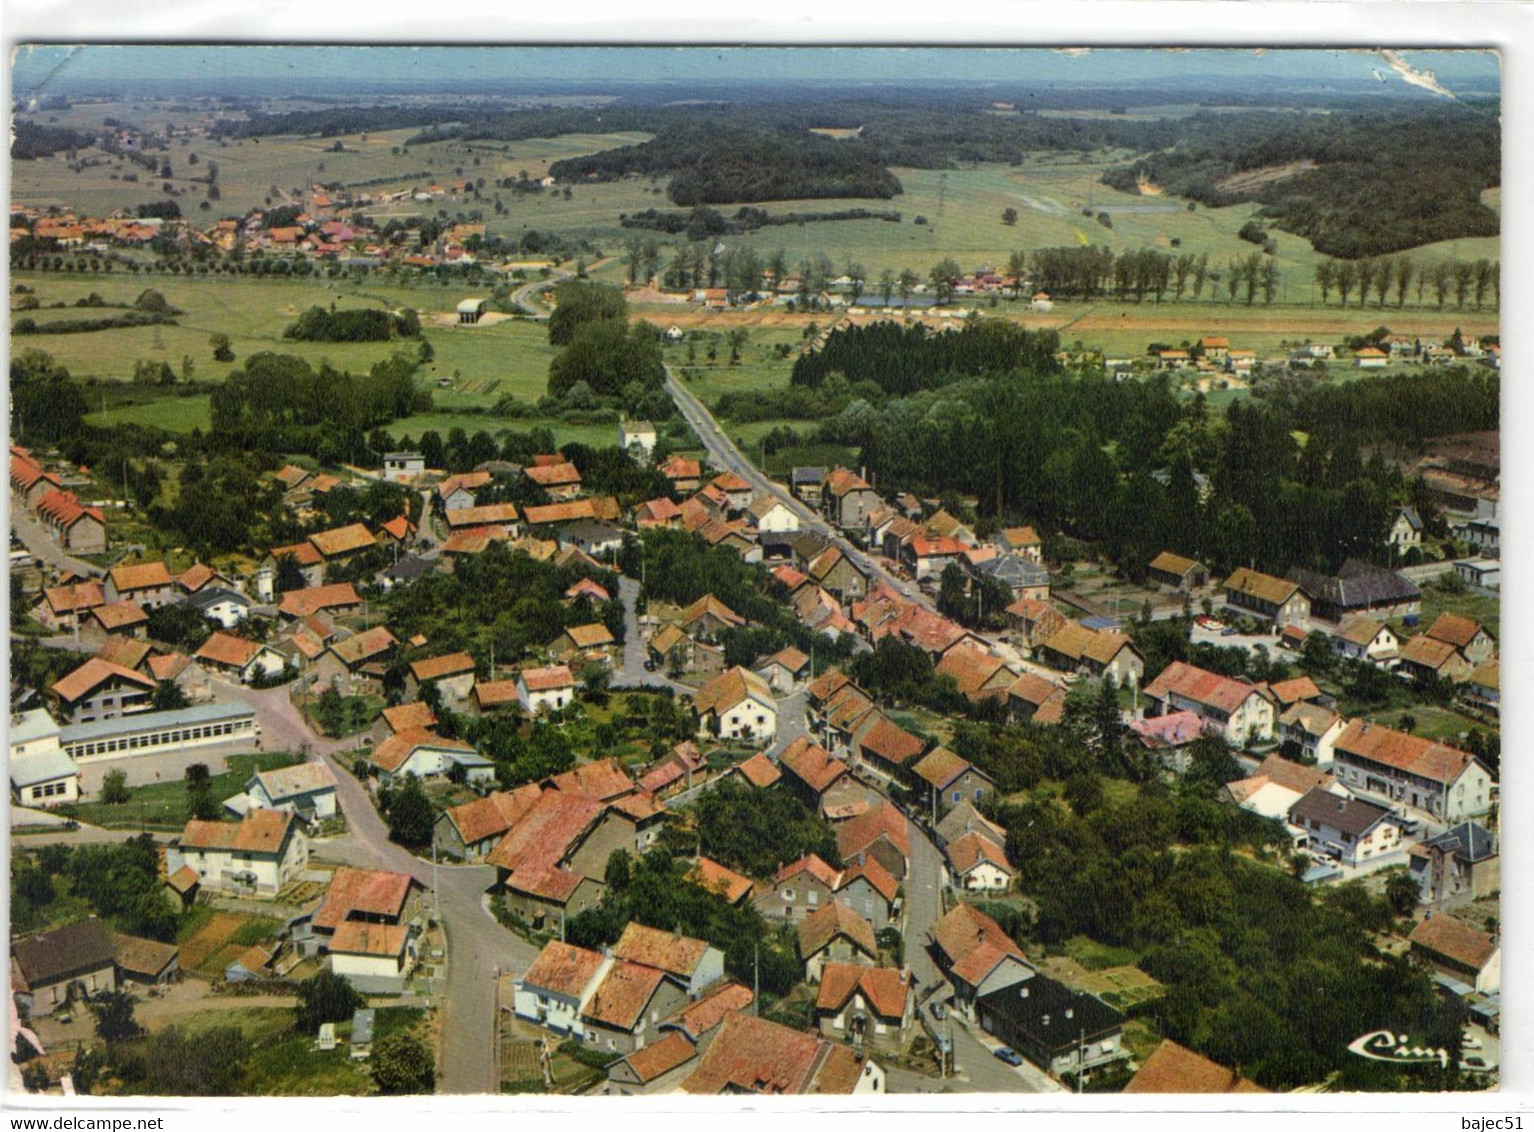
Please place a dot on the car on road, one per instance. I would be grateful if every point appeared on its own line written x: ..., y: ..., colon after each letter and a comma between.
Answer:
x: 939, y: 1011
x: 1477, y: 1064
x: 1228, y: 631
x: 1007, y: 1054
x: 1213, y: 624
x: 649, y: 666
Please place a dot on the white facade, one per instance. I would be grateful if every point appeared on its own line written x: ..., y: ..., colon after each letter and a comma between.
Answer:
x: 228, y: 612
x: 216, y: 868
x: 427, y: 761
x: 1467, y: 797
x: 1382, y: 838
x: 1385, y: 646
x: 375, y: 966
x: 551, y: 699
x: 751, y: 719
x: 402, y: 467
x: 33, y: 732
x: 778, y: 519
x: 49, y: 778
x: 985, y: 877
x: 636, y: 434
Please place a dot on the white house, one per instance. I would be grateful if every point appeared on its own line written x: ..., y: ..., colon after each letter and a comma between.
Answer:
x: 1401, y: 769
x: 637, y: 435
x: 1355, y: 831
x: 771, y: 515
x: 33, y: 732
x: 41, y: 773
x: 1363, y: 638
x: 308, y: 789
x: 378, y: 957
x: 261, y: 853
x: 425, y: 754
x: 1405, y: 531
x: 545, y: 689
x: 737, y: 704
x: 240, y: 659
x: 556, y: 986
x: 225, y: 606
x: 978, y: 864
x: 402, y: 467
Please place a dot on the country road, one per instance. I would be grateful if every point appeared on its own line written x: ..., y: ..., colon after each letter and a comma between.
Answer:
x: 723, y: 454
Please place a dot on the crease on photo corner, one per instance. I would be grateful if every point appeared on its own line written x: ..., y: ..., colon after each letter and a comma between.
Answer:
x: 1421, y: 77
x: 49, y: 77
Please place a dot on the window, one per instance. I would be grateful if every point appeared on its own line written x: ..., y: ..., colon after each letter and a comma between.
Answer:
x: 788, y: 894
x: 812, y: 896
x: 959, y: 794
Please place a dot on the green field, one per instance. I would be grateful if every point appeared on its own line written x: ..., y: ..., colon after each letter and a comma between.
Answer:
x: 162, y: 805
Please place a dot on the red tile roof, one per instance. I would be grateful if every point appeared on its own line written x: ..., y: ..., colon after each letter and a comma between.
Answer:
x: 405, y: 717
x: 819, y: 929
x: 343, y: 540
x: 227, y: 649
x: 673, y: 953
x: 622, y: 995
x: 759, y: 770
x: 658, y: 1058
x: 1175, y: 1069
x: 752, y: 1055
x: 314, y: 599
x: 714, y: 877
x: 602, y: 781
x: 886, y: 988
x: 91, y: 675
x: 494, y: 814
x: 547, y: 679
x: 1454, y: 940
x: 812, y: 764
x: 563, y: 968
x: 396, y: 750
x: 260, y: 831
x: 1455, y: 630
x: 143, y: 576
x: 860, y: 833
x: 890, y: 742
x: 1436, y: 761
x: 1206, y: 688
x: 436, y: 667
x: 548, y: 831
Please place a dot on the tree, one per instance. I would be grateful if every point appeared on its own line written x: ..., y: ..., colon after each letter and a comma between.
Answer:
x: 331, y: 711
x: 222, y: 350
x: 114, y: 788
x: 325, y: 997
x: 114, y: 1017
x: 1401, y: 891
x: 403, y: 1064
x: 169, y: 696
x: 1009, y: 216
x: 579, y: 303
x: 201, y: 804
x: 411, y: 816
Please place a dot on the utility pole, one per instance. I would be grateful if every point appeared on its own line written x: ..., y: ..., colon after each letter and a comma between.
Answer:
x: 1081, y: 1059
x: 756, y: 978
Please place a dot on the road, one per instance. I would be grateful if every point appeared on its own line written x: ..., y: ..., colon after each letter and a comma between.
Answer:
x: 723, y: 454
x: 630, y: 672
x: 477, y: 945
x: 35, y: 538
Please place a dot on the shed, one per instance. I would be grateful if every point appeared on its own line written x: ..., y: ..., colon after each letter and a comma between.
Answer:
x: 362, y: 1032
x: 471, y: 311
x: 327, y: 1039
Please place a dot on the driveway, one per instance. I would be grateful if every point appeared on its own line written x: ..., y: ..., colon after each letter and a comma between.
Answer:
x: 34, y: 536
x: 631, y: 672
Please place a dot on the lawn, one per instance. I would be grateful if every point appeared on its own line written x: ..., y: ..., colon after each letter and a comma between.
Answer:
x: 357, y: 713
x: 1478, y: 607
x: 162, y: 805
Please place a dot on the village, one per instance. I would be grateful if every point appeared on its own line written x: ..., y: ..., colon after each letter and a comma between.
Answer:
x: 902, y: 978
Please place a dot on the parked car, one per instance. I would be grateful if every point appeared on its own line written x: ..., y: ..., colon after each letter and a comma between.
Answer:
x: 944, y: 1044
x: 939, y: 1011
x: 649, y: 666
x: 1477, y: 1064
x: 1007, y: 1054
x: 1228, y: 631
x: 1469, y: 1042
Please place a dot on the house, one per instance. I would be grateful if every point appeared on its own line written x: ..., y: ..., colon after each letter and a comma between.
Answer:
x: 1359, y: 588
x: 552, y: 991
x: 882, y: 744
x: 534, y: 859
x: 770, y: 514
x: 940, y: 776
x: 583, y: 641
x: 1274, y: 600
x: 708, y: 617
x: 100, y: 690
x: 929, y: 557
x: 307, y: 789
x: 426, y: 754
x: 356, y: 661
x: 239, y: 658
x: 751, y: 1056
x: 1235, y: 709
x: 1308, y: 733
x: 115, y: 619
x: 1402, y: 769
x: 457, y: 492
x: 695, y: 964
x: 1354, y: 831
x: 57, y: 966
x: 1371, y: 357
x: 1024, y: 542
x: 403, y: 467
x: 1484, y: 536
x: 361, y: 896
x: 148, y: 583
x: 978, y: 864
x: 977, y: 673
x: 1168, y: 737
x: 976, y: 956
x: 545, y: 689
x: 835, y: 571
x: 224, y: 606
x: 602, y: 781
x: 560, y: 481
x: 65, y: 606
x: 1473, y: 642
x: 468, y: 832
x: 637, y: 438
x: 1101, y: 653
x: 1366, y: 639
x: 623, y: 1010
x: 812, y: 773
x: 1033, y: 621
x: 1405, y: 532
x: 47, y: 776
x: 737, y: 704
x: 488, y: 518
x: 340, y: 597
x: 736, y: 491
x: 1172, y: 1068
x: 682, y: 768
x: 729, y: 885
x: 685, y: 475
x: 163, y: 732
x: 1177, y: 573
x: 847, y: 499
x: 835, y: 934
x: 1483, y: 572
x: 870, y: 890
x: 259, y: 854
x: 1424, y: 658
x: 1456, y: 866
x: 881, y: 833
x: 1455, y: 949
x: 1483, y: 687
x: 964, y: 818
x: 784, y: 669
x: 147, y: 962
x: 453, y: 675
x: 76, y: 528
x: 872, y: 1007
x: 660, y: 512
x: 376, y: 958
x: 807, y: 485
x: 658, y: 1067
x: 758, y: 771
x: 302, y: 557
x: 805, y: 886
x: 1059, y: 1029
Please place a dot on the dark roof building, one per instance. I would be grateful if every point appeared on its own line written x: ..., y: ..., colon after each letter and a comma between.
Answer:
x: 1358, y: 587
x: 1053, y: 1026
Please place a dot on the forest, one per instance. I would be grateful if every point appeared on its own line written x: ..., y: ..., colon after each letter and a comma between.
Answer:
x: 1360, y: 184
x: 710, y: 163
x: 905, y: 359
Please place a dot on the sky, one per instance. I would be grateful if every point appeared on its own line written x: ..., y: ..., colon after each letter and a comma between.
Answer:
x: 253, y: 69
